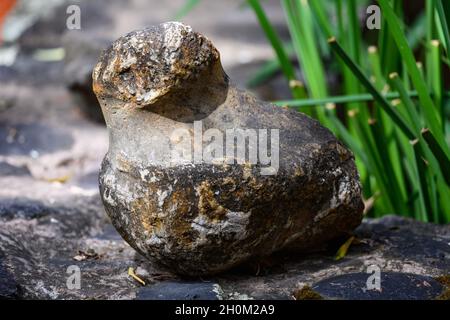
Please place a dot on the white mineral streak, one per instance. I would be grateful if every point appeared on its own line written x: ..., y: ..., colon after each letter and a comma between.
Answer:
x: 174, y: 32
x: 109, y: 71
x: 128, y: 61
x: 154, y: 240
x: 217, y: 289
x: 52, y: 292
x: 107, y: 197
x: 109, y: 180
x: 342, y: 196
x: 144, y: 173
x: 162, y: 195
x: 345, y: 190
x: 96, y: 71
x: 150, y: 95
x: 234, y: 224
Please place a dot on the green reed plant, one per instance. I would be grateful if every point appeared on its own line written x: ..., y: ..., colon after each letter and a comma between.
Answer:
x: 394, y: 111
x: 391, y: 109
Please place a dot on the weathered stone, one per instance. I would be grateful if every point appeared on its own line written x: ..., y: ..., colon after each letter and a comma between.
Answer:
x: 37, y: 249
x: 7, y: 169
x: 203, y: 217
x: 23, y: 209
x: 24, y: 138
x: 393, y: 286
x: 177, y: 290
x: 8, y: 286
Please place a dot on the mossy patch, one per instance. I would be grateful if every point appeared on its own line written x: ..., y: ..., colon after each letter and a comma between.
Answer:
x: 445, y: 281
x: 306, y: 293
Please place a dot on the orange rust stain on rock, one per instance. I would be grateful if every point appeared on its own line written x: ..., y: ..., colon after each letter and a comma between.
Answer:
x: 123, y: 164
x: 180, y: 226
x: 344, y: 154
x: 207, y: 203
x: 144, y: 213
x: 299, y: 172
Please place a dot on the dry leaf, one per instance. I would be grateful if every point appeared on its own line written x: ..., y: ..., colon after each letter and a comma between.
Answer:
x: 61, y: 179
x: 343, y: 249
x: 132, y: 274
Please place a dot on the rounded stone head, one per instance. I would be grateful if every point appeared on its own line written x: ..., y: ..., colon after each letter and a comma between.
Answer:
x: 143, y: 66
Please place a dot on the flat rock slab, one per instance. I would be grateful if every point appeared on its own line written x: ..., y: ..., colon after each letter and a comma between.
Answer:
x: 393, y: 286
x: 36, y: 250
x: 8, y: 287
x: 9, y: 170
x: 23, y: 139
x: 176, y: 290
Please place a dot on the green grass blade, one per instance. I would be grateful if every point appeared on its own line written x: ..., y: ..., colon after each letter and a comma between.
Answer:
x: 322, y: 18
x: 393, y: 114
x: 443, y: 11
x: 374, y: 162
x: 275, y: 41
x: 428, y: 108
x: 416, y: 32
x: 375, y: 65
x: 395, y: 190
x: 441, y: 155
x: 422, y: 169
x: 355, y: 34
x: 301, y: 28
x: 388, y: 51
x: 409, y: 106
x: 435, y: 76
x: 429, y: 11
x: 363, y: 97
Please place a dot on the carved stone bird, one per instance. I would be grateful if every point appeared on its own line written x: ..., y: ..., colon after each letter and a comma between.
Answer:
x: 200, y: 175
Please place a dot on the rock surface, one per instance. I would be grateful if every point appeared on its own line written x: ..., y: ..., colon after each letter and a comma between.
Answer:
x: 393, y: 286
x: 180, y: 290
x: 47, y: 226
x: 35, y: 254
x: 203, y: 213
x: 52, y: 217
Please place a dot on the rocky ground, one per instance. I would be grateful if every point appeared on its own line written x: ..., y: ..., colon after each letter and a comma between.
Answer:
x: 51, y: 216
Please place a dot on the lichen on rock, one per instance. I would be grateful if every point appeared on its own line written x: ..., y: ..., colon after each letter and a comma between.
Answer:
x: 146, y: 64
